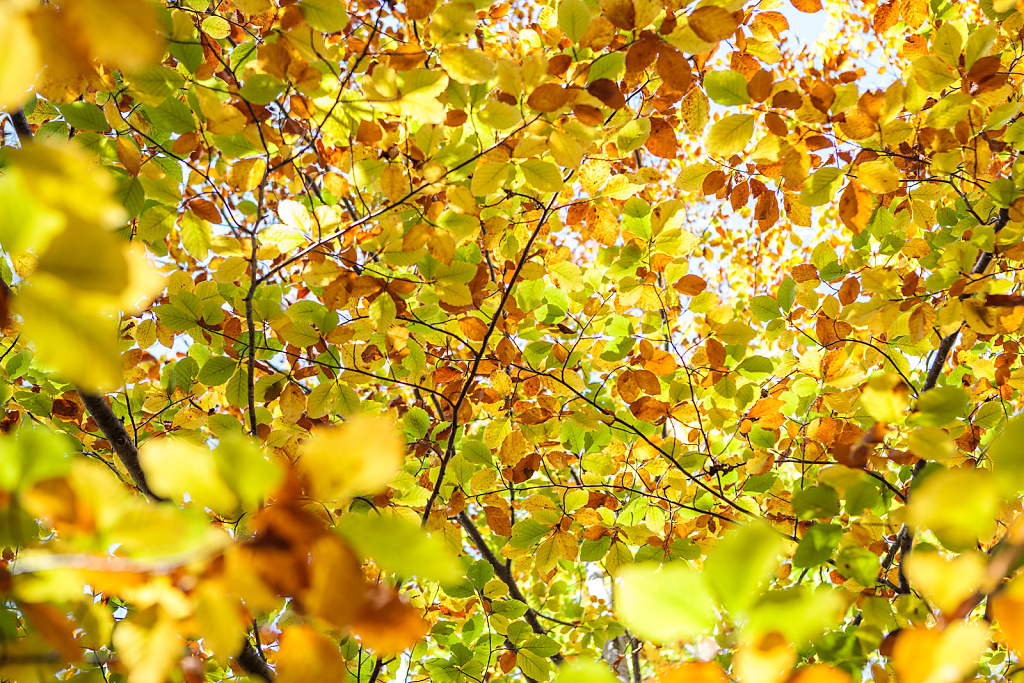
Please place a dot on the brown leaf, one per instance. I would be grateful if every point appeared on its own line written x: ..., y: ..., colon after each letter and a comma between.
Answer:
x: 55, y: 628
x: 641, y: 55
x: 507, y: 660
x: 591, y: 116
x: 855, y: 207
x: 712, y: 23
x: 408, y: 56
x: 369, y: 133
x: 914, y: 12
x: 885, y: 17
x: 1004, y: 300
x: 128, y: 155
x: 620, y: 13
x: 548, y: 98
x: 713, y: 182
x: 416, y: 10
x: 498, y: 521
x: 662, y: 142
x: 206, y: 210
x: 674, y: 70
x: 776, y: 124
x: 760, y: 86
x: 805, y: 272
x: 559, y: 64
x: 608, y: 92
x: 649, y: 409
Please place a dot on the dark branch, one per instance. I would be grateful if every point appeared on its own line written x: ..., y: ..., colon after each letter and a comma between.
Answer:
x: 505, y: 574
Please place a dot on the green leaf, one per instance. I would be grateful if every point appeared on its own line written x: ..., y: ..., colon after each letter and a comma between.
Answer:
x: 939, y: 406
x: 633, y: 135
x: 787, y: 293
x: 196, y: 235
x: 959, y: 506
x: 399, y: 546
x: 932, y: 74
x: 665, y: 604
x: 800, y: 613
x: 820, y: 502
x: 584, y: 670
x: 328, y: 16
x: 821, y: 187
x: 72, y: 331
x: 416, y: 423
x: 527, y: 533
x: 735, y: 333
x: 154, y: 84
x: 740, y: 566
x: 84, y: 116
x: 817, y: 545
x: 383, y: 312
x: 246, y: 469
x: 542, y: 175
x: 573, y: 18
x: 730, y: 135
x: 727, y: 87
x: 1007, y: 456
x: 765, y: 308
x: 172, y: 116
x: 1002, y: 191
x: 217, y: 371
x: 858, y: 564
x: 261, y: 89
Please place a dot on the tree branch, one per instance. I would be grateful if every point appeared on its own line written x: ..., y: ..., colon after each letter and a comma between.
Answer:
x: 505, y: 574
x: 122, y: 444
x: 905, y: 537
x: 449, y: 451
x: 113, y: 429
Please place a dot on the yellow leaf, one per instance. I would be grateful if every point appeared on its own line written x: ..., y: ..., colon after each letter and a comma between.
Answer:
x: 489, y: 176
x: 730, y: 135
x: 87, y: 257
x: 74, y: 332
x: 246, y: 174
x: 308, y: 655
x: 175, y: 467
x: 945, y: 581
x: 466, y: 65
x: 122, y: 32
x: 923, y: 655
x: 147, y: 644
x: 879, y: 176
x: 19, y: 57
x: 360, y: 456
x: 220, y: 619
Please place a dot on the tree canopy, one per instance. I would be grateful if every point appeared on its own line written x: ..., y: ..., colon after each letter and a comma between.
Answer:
x: 549, y: 340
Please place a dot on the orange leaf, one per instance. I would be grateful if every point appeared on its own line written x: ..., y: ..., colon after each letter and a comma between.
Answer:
x: 387, y: 623
x: 694, y: 672
x: 808, y: 6
x: 674, y: 69
x: 55, y: 628
x: 548, y: 97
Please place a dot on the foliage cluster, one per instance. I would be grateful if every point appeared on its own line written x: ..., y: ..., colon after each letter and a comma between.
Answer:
x: 350, y: 340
